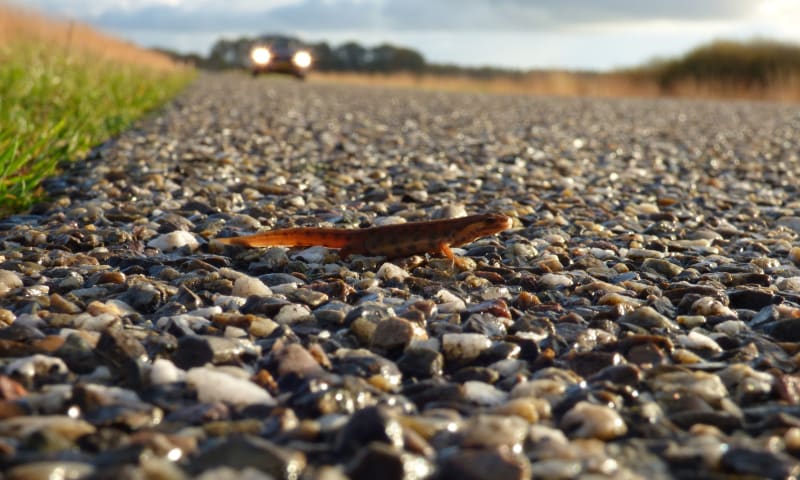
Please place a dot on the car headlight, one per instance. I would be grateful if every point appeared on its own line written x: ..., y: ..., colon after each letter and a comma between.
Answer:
x: 260, y: 55
x: 302, y: 59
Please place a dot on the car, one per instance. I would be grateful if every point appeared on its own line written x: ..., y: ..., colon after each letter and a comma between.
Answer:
x: 280, y: 56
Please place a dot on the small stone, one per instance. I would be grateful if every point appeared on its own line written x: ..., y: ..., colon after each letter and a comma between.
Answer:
x: 662, y: 267
x: 164, y: 372
x: 528, y: 408
x: 122, y: 352
x: 246, y: 450
x: 484, y: 394
x: 586, y: 420
x: 790, y: 222
x: 709, y: 306
x: 9, y: 281
x: 390, y: 271
x: 35, y: 366
x: 464, y: 347
x: 487, y: 464
x: 198, y: 350
x: 310, y: 297
x: 292, y: 313
x: 555, y: 281
x: 245, y: 286
x: 379, y: 460
x: 64, y: 426
x: 647, y: 317
x: 419, y: 362
x: 7, y: 317
x: 488, y: 430
x: 60, y: 304
x: 50, y: 469
x: 294, y: 358
x: 370, y: 424
x: 396, y: 333
x: 262, y: 327
x: 174, y: 240
x: 214, y: 385
x: 760, y: 463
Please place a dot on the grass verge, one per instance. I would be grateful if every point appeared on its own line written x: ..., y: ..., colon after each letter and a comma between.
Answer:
x: 63, y: 89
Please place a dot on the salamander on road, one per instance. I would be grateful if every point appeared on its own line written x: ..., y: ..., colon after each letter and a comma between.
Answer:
x: 400, y: 240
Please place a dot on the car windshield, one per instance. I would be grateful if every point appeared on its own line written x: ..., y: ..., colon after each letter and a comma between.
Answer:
x: 280, y: 44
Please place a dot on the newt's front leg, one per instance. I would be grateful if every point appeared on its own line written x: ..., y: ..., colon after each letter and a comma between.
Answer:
x: 455, y: 261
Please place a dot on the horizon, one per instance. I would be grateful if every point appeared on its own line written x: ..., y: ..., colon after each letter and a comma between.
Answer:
x: 510, y: 34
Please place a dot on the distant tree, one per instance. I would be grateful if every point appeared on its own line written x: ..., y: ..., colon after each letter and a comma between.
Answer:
x: 324, y: 59
x: 408, y: 60
x: 351, y: 55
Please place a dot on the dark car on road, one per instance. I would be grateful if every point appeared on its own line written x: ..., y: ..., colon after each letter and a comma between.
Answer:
x: 280, y: 56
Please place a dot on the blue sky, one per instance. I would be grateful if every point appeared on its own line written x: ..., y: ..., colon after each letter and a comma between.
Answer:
x: 573, y: 34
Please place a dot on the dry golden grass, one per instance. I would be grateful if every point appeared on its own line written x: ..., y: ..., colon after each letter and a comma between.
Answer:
x: 536, y: 83
x: 563, y: 83
x: 18, y: 26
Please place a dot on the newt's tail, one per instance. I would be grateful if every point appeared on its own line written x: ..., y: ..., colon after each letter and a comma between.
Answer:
x: 293, y: 237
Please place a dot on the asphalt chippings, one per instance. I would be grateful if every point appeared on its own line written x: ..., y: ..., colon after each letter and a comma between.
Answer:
x: 640, y: 320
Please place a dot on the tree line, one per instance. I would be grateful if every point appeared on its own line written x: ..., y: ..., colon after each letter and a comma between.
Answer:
x: 754, y: 63
x: 350, y: 56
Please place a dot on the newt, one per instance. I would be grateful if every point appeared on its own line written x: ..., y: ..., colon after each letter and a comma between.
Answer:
x: 399, y: 240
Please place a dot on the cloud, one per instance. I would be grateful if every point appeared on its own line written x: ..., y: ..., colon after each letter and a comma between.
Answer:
x: 405, y: 15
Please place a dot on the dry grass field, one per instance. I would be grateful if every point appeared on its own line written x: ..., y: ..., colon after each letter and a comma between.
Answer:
x: 565, y: 83
x: 19, y: 26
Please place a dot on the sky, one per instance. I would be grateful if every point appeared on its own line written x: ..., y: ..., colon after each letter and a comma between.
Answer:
x: 521, y: 34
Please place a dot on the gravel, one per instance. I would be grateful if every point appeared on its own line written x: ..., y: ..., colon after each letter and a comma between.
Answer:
x: 641, y: 319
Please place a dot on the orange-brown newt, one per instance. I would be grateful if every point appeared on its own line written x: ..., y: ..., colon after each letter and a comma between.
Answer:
x: 435, y: 236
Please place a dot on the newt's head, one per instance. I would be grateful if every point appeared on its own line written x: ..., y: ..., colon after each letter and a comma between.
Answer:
x: 478, y: 226
x: 494, y: 223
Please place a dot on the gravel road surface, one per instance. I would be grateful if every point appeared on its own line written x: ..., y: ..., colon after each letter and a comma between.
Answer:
x: 640, y: 320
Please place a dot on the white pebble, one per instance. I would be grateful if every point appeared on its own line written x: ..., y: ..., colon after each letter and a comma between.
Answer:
x: 245, y: 286
x: 587, y: 420
x: 312, y: 255
x: 464, y: 346
x: 292, y: 313
x: 484, y: 394
x: 390, y: 220
x: 164, y: 371
x: 554, y: 281
x: 34, y: 364
x: 229, y: 302
x: 731, y: 328
x: 429, y: 343
x: 205, y: 312
x: 449, y: 302
x: 709, y: 306
x: 96, y: 323
x: 192, y: 322
x: 390, y: 271
x: 174, y: 240
x: 284, y: 288
x: 213, y: 385
x: 788, y: 283
x: 234, y: 332
x: 9, y: 281
x: 697, y: 341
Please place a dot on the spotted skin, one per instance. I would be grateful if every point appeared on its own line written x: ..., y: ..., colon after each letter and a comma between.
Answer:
x: 401, y: 240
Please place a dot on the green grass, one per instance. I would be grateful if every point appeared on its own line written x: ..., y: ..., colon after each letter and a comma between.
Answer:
x: 54, y: 106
